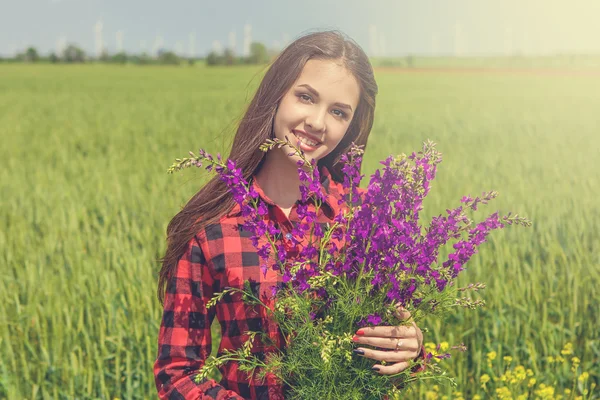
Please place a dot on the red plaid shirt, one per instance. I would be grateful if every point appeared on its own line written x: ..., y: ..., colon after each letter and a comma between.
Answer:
x: 222, y: 255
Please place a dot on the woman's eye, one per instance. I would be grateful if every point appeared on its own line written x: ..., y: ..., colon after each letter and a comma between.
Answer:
x: 306, y: 97
x: 341, y: 113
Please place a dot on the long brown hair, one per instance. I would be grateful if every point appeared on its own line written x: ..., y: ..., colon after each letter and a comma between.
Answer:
x: 214, y: 200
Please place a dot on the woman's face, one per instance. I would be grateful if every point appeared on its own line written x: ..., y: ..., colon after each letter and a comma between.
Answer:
x: 317, y: 110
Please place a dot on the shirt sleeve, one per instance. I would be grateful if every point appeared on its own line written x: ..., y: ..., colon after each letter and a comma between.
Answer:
x: 184, y: 339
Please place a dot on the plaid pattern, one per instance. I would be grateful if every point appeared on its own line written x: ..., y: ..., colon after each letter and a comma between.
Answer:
x: 219, y: 256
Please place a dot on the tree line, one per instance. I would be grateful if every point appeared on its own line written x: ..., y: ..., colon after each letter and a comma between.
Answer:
x: 259, y: 54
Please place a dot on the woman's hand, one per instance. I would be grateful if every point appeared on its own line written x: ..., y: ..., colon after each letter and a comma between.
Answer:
x: 404, y: 342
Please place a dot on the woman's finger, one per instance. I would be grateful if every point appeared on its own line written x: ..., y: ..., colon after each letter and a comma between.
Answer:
x: 391, y: 369
x: 408, y: 331
x: 387, y: 355
x: 419, y: 336
x: 402, y: 313
x: 388, y: 343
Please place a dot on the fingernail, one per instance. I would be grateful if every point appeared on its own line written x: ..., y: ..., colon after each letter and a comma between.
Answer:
x: 359, y: 352
x: 355, y: 338
x: 360, y: 332
x: 375, y: 369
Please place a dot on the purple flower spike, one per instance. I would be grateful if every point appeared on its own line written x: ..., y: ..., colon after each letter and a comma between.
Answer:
x: 379, y: 246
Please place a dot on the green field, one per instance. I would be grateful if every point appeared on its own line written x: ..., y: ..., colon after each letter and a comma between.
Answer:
x: 86, y: 200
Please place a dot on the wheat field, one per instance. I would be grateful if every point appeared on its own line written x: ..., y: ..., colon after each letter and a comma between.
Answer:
x: 86, y: 200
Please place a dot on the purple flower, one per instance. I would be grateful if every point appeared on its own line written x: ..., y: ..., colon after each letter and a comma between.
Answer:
x: 374, y: 319
x: 381, y: 237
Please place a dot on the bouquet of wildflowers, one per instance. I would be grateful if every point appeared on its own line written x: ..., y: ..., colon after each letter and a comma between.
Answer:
x: 375, y: 257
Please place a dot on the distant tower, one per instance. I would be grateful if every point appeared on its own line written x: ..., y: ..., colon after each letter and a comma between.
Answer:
x: 217, y: 46
x: 382, y: 51
x: 247, y: 39
x: 192, y: 45
x: 373, y: 42
x: 61, y: 45
x: 119, y: 39
x: 232, y: 43
x: 458, y: 40
x: 158, y: 44
x: 99, y: 45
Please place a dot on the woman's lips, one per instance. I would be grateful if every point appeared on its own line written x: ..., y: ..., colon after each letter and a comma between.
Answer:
x: 300, y: 134
x: 311, y: 137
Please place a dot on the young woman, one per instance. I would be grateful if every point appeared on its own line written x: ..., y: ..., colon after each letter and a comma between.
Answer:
x: 321, y: 91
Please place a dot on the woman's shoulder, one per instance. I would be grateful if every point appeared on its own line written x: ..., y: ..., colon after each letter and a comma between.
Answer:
x: 224, y: 228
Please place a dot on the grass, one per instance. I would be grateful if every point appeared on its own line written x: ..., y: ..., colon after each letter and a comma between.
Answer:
x: 86, y: 201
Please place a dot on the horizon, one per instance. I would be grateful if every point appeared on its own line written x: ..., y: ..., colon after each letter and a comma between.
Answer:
x: 386, y: 28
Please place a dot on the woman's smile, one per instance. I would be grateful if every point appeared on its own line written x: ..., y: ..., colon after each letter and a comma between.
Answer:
x: 307, y: 143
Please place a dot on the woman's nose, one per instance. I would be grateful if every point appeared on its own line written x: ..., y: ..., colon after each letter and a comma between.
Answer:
x: 316, y: 121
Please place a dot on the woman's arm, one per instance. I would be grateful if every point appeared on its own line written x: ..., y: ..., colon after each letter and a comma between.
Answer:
x: 184, y: 340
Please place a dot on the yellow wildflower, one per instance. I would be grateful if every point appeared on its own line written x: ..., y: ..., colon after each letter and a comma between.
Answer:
x: 507, y: 359
x: 531, y: 382
x: 433, y: 349
x: 444, y: 346
x: 429, y: 395
x: 545, y: 392
x: 550, y: 359
x: 503, y: 393
x: 583, y: 377
x: 430, y: 347
x: 568, y: 349
x: 529, y: 372
x: 491, y: 355
x: 485, y: 378
x: 520, y: 373
x: 575, y: 361
x: 567, y: 392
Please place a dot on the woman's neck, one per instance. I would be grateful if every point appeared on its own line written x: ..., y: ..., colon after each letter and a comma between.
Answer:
x: 279, y: 179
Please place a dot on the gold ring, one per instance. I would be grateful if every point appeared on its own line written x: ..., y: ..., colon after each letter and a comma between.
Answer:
x: 398, y: 344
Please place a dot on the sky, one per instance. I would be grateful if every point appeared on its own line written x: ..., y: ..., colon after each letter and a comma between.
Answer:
x: 381, y: 27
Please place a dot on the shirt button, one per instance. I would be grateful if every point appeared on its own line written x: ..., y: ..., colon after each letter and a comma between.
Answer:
x: 288, y: 236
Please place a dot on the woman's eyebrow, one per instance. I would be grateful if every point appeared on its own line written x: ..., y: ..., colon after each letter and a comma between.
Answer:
x: 313, y: 90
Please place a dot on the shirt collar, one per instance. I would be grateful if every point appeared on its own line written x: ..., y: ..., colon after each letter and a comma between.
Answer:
x: 329, y: 206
